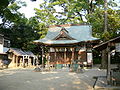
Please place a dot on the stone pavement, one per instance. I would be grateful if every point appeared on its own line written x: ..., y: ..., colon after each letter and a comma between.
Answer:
x: 56, y: 79
x: 101, y: 84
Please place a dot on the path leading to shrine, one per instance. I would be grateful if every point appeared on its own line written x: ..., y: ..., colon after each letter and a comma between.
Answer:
x: 59, y: 79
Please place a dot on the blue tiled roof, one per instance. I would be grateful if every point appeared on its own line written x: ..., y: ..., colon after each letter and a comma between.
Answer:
x: 79, y: 33
x: 20, y: 52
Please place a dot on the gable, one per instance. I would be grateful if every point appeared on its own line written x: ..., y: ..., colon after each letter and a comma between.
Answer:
x: 63, y: 35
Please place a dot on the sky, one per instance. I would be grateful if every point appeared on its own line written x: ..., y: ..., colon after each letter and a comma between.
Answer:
x: 29, y: 9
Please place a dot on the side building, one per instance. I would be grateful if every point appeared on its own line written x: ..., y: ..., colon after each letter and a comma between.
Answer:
x: 4, y: 46
x: 20, y: 58
x: 14, y: 57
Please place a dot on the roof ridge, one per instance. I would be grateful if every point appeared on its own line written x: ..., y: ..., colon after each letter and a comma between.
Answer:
x: 65, y: 25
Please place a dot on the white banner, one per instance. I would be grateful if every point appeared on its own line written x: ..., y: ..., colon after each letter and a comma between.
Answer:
x: 89, y: 57
x: 117, y: 47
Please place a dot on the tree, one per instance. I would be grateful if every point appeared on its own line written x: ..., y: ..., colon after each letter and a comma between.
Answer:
x: 17, y: 28
x: 96, y: 19
x: 70, y: 11
x: 113, y: 26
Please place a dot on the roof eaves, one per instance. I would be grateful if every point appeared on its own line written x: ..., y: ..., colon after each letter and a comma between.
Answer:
x: 106, y: 43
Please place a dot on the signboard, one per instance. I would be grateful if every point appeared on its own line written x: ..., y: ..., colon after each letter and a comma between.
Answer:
x: 117, y: 47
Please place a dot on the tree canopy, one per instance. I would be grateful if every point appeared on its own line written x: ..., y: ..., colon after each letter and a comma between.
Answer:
x: 23, y: 31
x: 96, y: 19
x: 15, y: 26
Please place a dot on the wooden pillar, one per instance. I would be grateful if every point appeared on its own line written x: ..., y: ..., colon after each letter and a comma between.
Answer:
x: 73, y: 54
x: 85, y: 47
x: 42, y: 56
x: 13, y: 62
x: 16, y: 61
x: 65, y: 54
x: 33, y: 61
x: 29, y: 61
x: 109, y: 66
x: 49, y: 60
x: 55, y: 55
x: 23, y: 62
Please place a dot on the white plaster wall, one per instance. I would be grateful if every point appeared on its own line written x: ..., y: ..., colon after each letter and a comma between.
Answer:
x: 1, y: 48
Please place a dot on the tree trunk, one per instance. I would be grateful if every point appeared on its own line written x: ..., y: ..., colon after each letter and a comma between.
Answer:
x: 104, y: 52
x: 105, y: 18
x: 104, y: 59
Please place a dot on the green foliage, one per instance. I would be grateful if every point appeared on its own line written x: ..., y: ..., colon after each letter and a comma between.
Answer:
x: 96, y: 61
x: 115, y: 58
x: 50, y: 16
x: 20, y: 30
x: 96, y: 57
x: 106, y: 35
x: 69, y: 12
x: 23, y: 31
x: 96, y: 19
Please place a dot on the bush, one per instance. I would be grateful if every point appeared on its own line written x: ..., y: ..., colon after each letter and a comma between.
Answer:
x: 96, y: 61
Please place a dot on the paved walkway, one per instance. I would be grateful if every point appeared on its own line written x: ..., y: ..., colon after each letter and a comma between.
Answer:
x: 59, y: 79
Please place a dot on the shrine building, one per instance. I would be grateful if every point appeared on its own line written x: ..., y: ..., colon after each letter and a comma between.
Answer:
x: 68, y: 43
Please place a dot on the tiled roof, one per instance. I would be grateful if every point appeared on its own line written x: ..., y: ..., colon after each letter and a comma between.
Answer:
x: 5, y: 49
x: 79, y: 33
x: 20, y: 52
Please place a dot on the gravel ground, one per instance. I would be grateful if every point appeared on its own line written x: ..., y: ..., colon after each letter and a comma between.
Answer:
x: 59, y: 79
